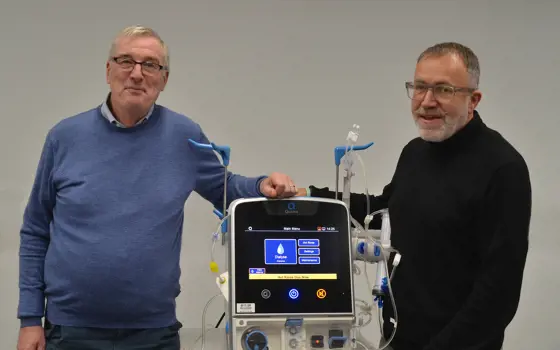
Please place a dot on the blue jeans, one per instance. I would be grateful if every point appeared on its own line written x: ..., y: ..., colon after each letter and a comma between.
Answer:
x: 79, y: 338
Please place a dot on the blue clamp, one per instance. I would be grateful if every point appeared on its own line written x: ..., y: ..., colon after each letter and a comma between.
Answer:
x: 361, y: 248
x: 384, y: 289
x: 384, y: 285
x: 340, y: 151
x: 340, y: 339
x: 223, y: 151
x: 377, y: 250
x: 293, y: 322
x: 221, y: 216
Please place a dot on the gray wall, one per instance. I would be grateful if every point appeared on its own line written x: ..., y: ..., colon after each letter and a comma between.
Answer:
x: 296, y: 75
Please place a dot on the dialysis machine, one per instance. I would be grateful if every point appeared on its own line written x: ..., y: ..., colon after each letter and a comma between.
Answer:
x: 292, y: 265
x: 291, y: 280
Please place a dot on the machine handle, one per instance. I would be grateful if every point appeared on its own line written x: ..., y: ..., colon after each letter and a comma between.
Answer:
x: 340, y: 151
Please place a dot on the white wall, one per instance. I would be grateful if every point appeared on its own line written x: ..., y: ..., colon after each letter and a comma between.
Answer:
x: 297, y: 74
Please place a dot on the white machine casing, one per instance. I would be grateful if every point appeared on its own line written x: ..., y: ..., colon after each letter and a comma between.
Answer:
x: 284, y: 331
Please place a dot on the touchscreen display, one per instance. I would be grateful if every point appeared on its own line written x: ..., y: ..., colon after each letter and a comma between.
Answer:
x: 291, y: 256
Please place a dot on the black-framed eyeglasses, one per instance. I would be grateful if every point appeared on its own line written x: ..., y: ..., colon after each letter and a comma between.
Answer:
x: 148, y: 67
x: 441, y: 92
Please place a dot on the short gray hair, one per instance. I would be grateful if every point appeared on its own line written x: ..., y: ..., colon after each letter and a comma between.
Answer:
x: 137, y: 31
x: 463, y: 52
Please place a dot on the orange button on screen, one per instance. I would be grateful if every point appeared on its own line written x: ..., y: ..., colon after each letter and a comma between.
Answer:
x: 321, y: 294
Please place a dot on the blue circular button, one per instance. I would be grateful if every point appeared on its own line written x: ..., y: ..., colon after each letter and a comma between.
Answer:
x: 294, y: 294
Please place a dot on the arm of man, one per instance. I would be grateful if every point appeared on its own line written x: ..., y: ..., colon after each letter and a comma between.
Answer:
x: 210, y: 179
x: 34, y: 240
x: 503, y: 246
x: 358, y: 202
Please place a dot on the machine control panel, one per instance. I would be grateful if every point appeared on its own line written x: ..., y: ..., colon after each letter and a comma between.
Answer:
x: 292, y: 334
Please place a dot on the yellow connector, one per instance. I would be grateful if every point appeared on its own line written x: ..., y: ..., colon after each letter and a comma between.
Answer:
x: 214, y: 267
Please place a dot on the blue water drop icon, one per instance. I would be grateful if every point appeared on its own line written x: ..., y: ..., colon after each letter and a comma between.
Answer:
x: 280, y: 249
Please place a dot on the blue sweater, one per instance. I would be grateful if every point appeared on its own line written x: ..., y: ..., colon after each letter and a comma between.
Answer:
x: 102, y: 230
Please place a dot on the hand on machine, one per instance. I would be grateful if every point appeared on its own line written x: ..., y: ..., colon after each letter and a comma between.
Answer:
x: 300, y: 322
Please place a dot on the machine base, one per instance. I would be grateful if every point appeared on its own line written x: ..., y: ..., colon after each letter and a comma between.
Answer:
x: 287, y: 333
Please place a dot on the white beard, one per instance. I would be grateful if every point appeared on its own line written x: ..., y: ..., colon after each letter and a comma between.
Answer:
x: 449, y: 127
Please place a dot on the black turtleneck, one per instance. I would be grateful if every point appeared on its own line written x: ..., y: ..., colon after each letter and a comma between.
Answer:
x: 460, y: 212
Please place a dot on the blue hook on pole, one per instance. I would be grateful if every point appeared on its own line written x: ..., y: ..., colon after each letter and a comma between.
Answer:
x: 340, y: 151
x: 223, y: 151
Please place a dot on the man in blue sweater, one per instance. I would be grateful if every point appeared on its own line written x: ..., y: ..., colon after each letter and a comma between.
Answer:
x: 101, y: 236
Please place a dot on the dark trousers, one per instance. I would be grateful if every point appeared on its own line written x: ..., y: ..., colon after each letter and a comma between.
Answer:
x: 78, y: 338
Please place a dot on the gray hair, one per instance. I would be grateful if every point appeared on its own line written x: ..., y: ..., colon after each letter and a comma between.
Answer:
x: 463, y: 52
x: 138, y: 31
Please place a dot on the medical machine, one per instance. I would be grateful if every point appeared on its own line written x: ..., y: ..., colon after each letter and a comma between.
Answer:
x: 291, y: 267
x: 291, y: 274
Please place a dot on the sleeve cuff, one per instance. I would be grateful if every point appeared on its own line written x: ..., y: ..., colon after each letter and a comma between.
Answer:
x: 258, y: 189
x: 323, y: 192
x: 30, y: 322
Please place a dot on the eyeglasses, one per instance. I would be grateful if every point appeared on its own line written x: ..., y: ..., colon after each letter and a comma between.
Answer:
x: 441, y: 92
x: 148, y: 67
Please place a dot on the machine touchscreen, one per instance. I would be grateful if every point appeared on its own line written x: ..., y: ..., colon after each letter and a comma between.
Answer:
x: 291, y: 257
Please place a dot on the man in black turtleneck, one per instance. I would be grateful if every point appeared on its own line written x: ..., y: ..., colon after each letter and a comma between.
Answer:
x: 460, y: 207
